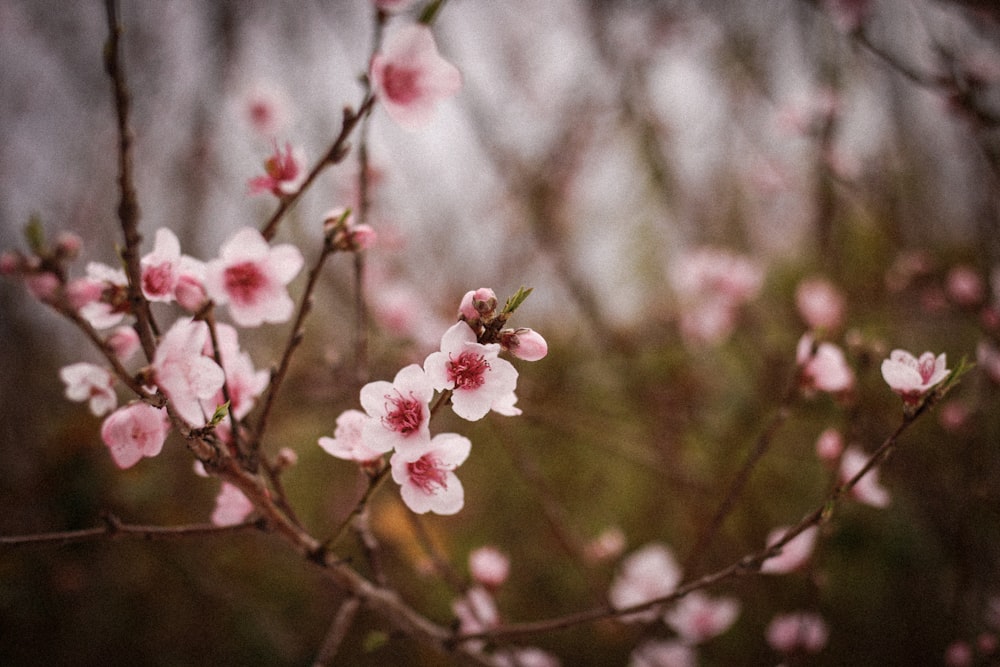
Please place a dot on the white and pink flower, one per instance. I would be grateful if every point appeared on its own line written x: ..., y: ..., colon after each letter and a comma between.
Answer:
x: 251, y: 276
x: 161, y: 267
x: 911, y: 377
x: 426, y: 475
x: 476, y: 376
x: 696, y: 617
x: 134, y: 431
x: 646, y: 574
x: 867, y: 490
x: 89, y: 382
x: 399, y: 411
x: 794, y: 554
x: 824, y: 366
x: 100, y: 296
x: 184, y: 373
x: 410, y: 77
x: 820, y: 304
x: 797, y: 631
x: 284, y: 172
x: 348, y: 442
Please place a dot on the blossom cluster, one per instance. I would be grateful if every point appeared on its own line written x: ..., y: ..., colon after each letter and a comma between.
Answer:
x: 467, y: 373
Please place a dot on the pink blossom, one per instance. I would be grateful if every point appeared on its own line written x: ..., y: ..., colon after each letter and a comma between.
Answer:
x: 958, y: 654
x: 964, y: 286
x: 92, y: 383
x: 988, y: 357
x: 43, y: 285
x: 477, y: 304
x: 243, y: 382
x: 489, y: 566
x: 794, y: 554
x: 663, y: 653
x: 425, y: 474
x: 124, y: 342
x: 712, y: 284
x: 160, y: 268
x: 190, y: 289
x: 285, y: 172
x: 100, y: 297
x: 474, y: 373
x: 398, y: 410
x: 251, y: 276
x: 820, y: 304
x: 867, y: 490
x: 912, y: 378
x: 409, y: 77
x: 134, y: 431
x: 801, y: 631
x: 823, y: 368
x: 68, y: 244
x: 953, y: 415
x: 476, y: 611
x: 231, y: 506
x: 524, y: 343
x: 347, y: 441
x: 610, y: 543
x: 646, y: 574
x: 829, y: 445
x: 182, y: 371
x: 696, y: 617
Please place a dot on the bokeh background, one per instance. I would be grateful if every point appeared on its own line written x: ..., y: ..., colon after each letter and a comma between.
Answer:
x: 593, y: 148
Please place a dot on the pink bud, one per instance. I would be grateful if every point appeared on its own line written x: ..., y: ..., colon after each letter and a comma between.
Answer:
x: 124, y: 342
x: 68, y: 244
x: 829, y: 445
x: 190, y: 293
x: 964, y: 286
x: 362, y: 237
x: 524, y: 343
x: 83, y: 291
x: 43, y: 286
x: 10, y: 263
x: 477, y: 303
x: 489, y: 566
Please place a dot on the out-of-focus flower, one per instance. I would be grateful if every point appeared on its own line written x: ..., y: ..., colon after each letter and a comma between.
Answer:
x: 89, y: 382
x: 266, y: 109
x: 799, y: 631
x: 182, y: 371
x: 399, y: 411
x: 243, y: 382
x: 829, y: 445
x: 824, y: 367
x: 161, y: 267
x: 847, y: 15
x: 794, y: 554
x: 489, y: 566
x: 124, y: 342
x: 911, y: 377
x: 820, y: 304
x: 696, y: 617
x: 347, y: 442
x: 610, y: 543
x: 988, y: 358
x: 712, y: 284
x: 525, y: 656
x: 100, y: 297
x: 251, y: 276
x: 134, y: 431
x: 476, y: 611
x: 663, y: 653
x: 474, y: 373
x: 425, y: 474
x: 284, y: 172
x: 867, y: 490
x: 958, y: 654
x: 964, y: 286
x: 43, y: 285
x: 409, y: 77
x: 646, y: 574
x: 231, y: 506
x: 953, y: 415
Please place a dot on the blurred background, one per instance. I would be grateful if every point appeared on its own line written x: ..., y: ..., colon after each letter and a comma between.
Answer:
x: 594, y: 153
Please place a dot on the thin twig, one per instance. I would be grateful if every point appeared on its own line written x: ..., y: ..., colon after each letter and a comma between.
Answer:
x: 114, y: 528
x: 342, y: 621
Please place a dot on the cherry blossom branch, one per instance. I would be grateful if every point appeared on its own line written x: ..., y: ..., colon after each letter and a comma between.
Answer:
x: 114, y: 528
x: 334, y: 155
x: 128, y: 207
x: 342, y: 622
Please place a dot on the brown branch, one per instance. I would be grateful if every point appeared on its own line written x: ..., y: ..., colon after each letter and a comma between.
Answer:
x: 128, y: 206
x: 114, y: 528
x: 342, y: 621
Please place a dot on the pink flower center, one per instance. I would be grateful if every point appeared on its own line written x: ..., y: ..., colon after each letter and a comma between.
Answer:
x: 156, y: 279
x: 244, y: 281
x: 428, y: 474
x: 406, y: 415
x: 401, y: 84
x: 926, y: 368
x: 468, y: 371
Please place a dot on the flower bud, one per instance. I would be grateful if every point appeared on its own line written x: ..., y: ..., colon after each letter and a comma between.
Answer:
x: 478, y: 303
x: 524, y: 343
x: 489, y: 566
x: 68, y: 245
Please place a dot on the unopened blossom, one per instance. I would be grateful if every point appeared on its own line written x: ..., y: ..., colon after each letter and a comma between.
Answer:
x: 911, y: 377
x: 610, y: 543
x: 824, y: 366
x: 134, y: 431
x: 231, y: 506
x: 867, y: 490
x: 89, y: 382
x: 124, y: 342
x: 964, y: 286
x: 477, y: 304
x: 820, y: 304
x: 426, y: 475
x: 409, y: 77
x: 243, y: 382
x: 697, y: 617
x: 477, y: 377
x: 184, y: 373
x: 489, y: 566
x: 399, y: 411
x: 798, y: 631
x: 794, y: 554
x: 524, y: 343
x: 829, y: 445
x: 251, y: 276
x: 646, y: 574
x: 285, y: 172
x: 348, y: 442
x: 43, y: 285
x: 160, y: 268
x: 663, y: 653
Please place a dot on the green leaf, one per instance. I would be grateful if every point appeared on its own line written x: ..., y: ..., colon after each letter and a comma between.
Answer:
x: 35, y: 234
x: 516, y: 300
x: 430, y: 11
x: 219, y: 414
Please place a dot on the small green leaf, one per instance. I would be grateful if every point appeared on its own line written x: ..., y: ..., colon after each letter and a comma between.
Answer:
x: 35, y: 234
x: 374, y: 640
x: 430, y: 11
x: 219, y: 414
x: 516, y: 300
